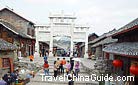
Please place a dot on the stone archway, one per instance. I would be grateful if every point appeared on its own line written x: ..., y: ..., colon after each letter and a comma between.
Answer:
x: 62, y: 25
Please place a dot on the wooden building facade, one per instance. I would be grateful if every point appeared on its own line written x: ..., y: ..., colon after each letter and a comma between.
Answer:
x: 126, y: 50
x: 23, y: 34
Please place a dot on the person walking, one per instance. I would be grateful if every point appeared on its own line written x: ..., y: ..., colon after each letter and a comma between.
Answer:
x: 68, y: 66
x: 45, y: 57
x: 31, y: 57
x: 70, y: 82
x: 55, y: 69
x: 77, y: 68
x: 46, y: 68
x: 72, y: 63
x: 62, y: 65
x: 58, y: 62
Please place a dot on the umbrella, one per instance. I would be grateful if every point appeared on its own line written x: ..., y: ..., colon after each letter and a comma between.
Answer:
x: 76, y: 59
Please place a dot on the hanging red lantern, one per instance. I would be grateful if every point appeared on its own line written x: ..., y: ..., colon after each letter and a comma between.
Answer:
x: 134, y: 69
x: 118, y: 63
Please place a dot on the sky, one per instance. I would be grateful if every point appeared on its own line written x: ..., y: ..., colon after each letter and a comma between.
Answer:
x: 101, y: 15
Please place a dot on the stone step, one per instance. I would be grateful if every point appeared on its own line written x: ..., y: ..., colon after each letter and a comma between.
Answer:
x: 63, y: 81
x: 51, y: 71
x: 37, y: 80
x: 48, y: 83
x: 51, y: 74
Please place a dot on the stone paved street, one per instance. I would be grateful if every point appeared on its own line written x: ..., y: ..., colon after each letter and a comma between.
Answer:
x: 37, y: 80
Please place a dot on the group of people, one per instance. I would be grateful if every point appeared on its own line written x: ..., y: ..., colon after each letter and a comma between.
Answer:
x: 61, y: 66
x: 11, y: 78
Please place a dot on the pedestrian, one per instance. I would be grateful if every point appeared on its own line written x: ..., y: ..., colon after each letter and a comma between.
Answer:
x: 68, y: 66
x: 58, y: 62
x: 72, y: 63
x: 77, y: 68
x: 71, y: 82
x: 7, y: 78
x: 75, y: 55
x: 31, y: 57
x: 43, y: 52
x: 40, y: 52
x: 46, y: 68
x: 62, y: 65
x: 55, y: 69
x: 45, y: 58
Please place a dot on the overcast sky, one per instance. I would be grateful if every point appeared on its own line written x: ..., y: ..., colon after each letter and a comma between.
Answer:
x: 101, y: 15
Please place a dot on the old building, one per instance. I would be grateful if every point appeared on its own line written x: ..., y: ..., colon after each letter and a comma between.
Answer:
x: 99, y: 43
x: 23, y: 28
x: 7, y: 53
x: 91, y: 37
x: 126, y: 51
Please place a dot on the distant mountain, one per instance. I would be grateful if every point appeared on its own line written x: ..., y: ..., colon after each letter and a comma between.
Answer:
x: 63, y: 42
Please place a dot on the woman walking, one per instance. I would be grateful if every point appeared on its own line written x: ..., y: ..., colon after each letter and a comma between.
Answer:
x: 46, y: 68
x: 77, y: 69
x: 68, y: 66
x: 55, y: 69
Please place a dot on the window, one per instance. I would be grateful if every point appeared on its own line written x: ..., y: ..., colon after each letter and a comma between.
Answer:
x: 5, y: 62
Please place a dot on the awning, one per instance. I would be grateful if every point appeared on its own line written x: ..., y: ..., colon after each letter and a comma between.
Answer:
x: 125, y: 48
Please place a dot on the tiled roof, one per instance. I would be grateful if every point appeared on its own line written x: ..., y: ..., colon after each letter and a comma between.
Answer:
x: 127, y: 26
x: 4, y: 45
x: 13, y: 29
x: 125, y: 48
x: 105, y: 35
x: 107, y: 40
x: 12, y: 11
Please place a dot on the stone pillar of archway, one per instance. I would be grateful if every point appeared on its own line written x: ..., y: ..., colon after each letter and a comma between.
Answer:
x: 51, y: 39
x: 72, y: 43
x: 71, y: 54
x: 86, y: 46
x: 37, y: 41
x: 51, y: 47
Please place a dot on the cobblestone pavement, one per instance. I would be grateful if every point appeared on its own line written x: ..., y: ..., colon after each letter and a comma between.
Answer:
x: 37, y: 80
